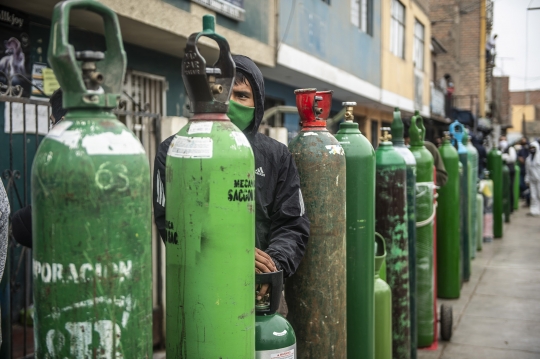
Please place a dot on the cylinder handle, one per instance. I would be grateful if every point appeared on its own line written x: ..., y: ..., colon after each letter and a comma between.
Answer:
x: 105, y: 87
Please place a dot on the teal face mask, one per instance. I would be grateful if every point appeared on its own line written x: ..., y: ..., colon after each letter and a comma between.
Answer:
x: 240, y: 115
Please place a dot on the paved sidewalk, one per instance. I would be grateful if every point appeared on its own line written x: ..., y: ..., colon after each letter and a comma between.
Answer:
x: 498, y: 314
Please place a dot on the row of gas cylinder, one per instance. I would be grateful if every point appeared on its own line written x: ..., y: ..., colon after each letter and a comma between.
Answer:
x: 92, y: 255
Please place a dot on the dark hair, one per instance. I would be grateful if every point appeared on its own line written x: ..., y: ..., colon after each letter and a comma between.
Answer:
x: 239, y: 79
x: 57, y: 111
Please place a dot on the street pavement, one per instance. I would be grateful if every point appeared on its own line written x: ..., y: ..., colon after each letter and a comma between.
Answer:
x: 498, y: 313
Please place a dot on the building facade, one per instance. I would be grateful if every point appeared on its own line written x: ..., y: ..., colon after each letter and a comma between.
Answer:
x: 525, y: 113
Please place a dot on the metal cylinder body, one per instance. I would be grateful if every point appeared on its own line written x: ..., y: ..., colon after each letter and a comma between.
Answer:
x: 210, y: 227
x: 391, y: 223
x: 480, y: 219
x: 517, y: 176
x: 92, y: 265
x: 448, y: 227
x: 425, y: 213
x: 410, y: 162
x: 383, y: 308
x: 360, y: 160
x: 458, y: 131
x: 473, y: 180
x: 506, y: 193
x: 317, y: 293
x: 275, y: 337
x: 494, y: 165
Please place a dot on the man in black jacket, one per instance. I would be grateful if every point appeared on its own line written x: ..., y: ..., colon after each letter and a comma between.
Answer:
x: 282, y: 226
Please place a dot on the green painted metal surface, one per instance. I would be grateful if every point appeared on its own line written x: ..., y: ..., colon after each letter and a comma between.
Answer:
x: 473, y: 185
x: 480, y: 219
x: 317, y: 293
x: 92, y: 266
x: 360, y: 160
x: 458, y: 131
x: 210, y: 242
x: 425, y: 214
x: 448, y: 226
x: 271, y: 332
x: 516, y: 187
x: 383, y: 307
x: 210, y: 221
x: 391, y: 223
x: 494, y: 165
x: 506, y: 193
x: 410, y: 162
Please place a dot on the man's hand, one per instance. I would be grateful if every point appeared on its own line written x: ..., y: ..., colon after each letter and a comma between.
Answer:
x: 263, y: 264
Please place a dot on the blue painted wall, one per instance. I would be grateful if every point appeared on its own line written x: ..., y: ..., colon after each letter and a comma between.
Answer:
x: 326, y: 32
x: 255, y: 24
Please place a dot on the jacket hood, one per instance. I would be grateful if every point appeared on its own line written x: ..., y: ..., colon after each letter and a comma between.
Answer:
x: 535, y: 145
x: 248, y: 68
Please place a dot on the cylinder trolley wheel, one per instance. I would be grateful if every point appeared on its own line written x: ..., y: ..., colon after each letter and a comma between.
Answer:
x: 446, y: 322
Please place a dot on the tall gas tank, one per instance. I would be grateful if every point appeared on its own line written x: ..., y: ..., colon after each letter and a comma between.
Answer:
x: 494, y: 165
x: 92, y: 265
x: 506, y: 192
x: 274, y: 335
x: 360, y: 159
x: 448, y: 225
x: 391, y: 223
x: 410, y: 161
x: 472, y: 155
x: 210, y: 213
x: 425, y: 214
x: 515, y: 187
x: 458, y: 131
x: 383, y: 306
x: 317, y: 293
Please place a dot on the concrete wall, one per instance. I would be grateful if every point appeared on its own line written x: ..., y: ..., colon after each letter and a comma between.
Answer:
x: 326, y: 32
x: 517, y: 116
x: 398, y: 73
x: 501, y: 99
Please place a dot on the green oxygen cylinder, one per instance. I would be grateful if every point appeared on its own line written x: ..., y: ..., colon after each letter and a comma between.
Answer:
x: 210, y: 217
x: 410, y: 162
x: 506, y: 192
x: 495, y: 167
x: 391, y: 223
x: 472, y: 156
x: 91, y: 214
x: 360, y: 159
x: 425, y: 214
x: 480, y: 219
x: 317, y: 293
x: 383, y: 306
x: 274, y: 335
x: 448, y: 225
x: 516, y: 187
x: 458, y: 131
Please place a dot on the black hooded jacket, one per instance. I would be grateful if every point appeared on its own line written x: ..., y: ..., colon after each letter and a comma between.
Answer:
x: 282, y: 226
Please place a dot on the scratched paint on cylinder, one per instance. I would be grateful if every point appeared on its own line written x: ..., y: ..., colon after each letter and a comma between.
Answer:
x: 391, y: 223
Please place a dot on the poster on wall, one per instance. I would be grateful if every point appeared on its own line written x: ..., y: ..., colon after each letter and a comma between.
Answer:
x: 230, y: 8
x: 14, y: 53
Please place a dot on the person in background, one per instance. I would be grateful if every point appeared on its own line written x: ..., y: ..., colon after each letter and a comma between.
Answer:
x: 490, y: 49
x: 4, y: 225
x: 509, y: 157
x: 281, y: 222
x: 21, y: 222
x: 482, y: 154
x: 522, y: 155
x: 532, y: 178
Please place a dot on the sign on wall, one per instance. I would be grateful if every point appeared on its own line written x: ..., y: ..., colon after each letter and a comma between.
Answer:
x: 230, y: 8
x: 14, y: 52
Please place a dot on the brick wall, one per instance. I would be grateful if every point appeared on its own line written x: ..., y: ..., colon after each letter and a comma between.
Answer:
x: 456, y: 25
x: 518, y: 97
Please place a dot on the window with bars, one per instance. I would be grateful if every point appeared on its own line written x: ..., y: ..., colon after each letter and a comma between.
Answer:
x: 362, y: 15
x: 418, y: 54
x: 397, y: 29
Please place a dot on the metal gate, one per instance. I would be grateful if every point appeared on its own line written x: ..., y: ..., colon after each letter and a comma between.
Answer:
x: 26, y: 122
